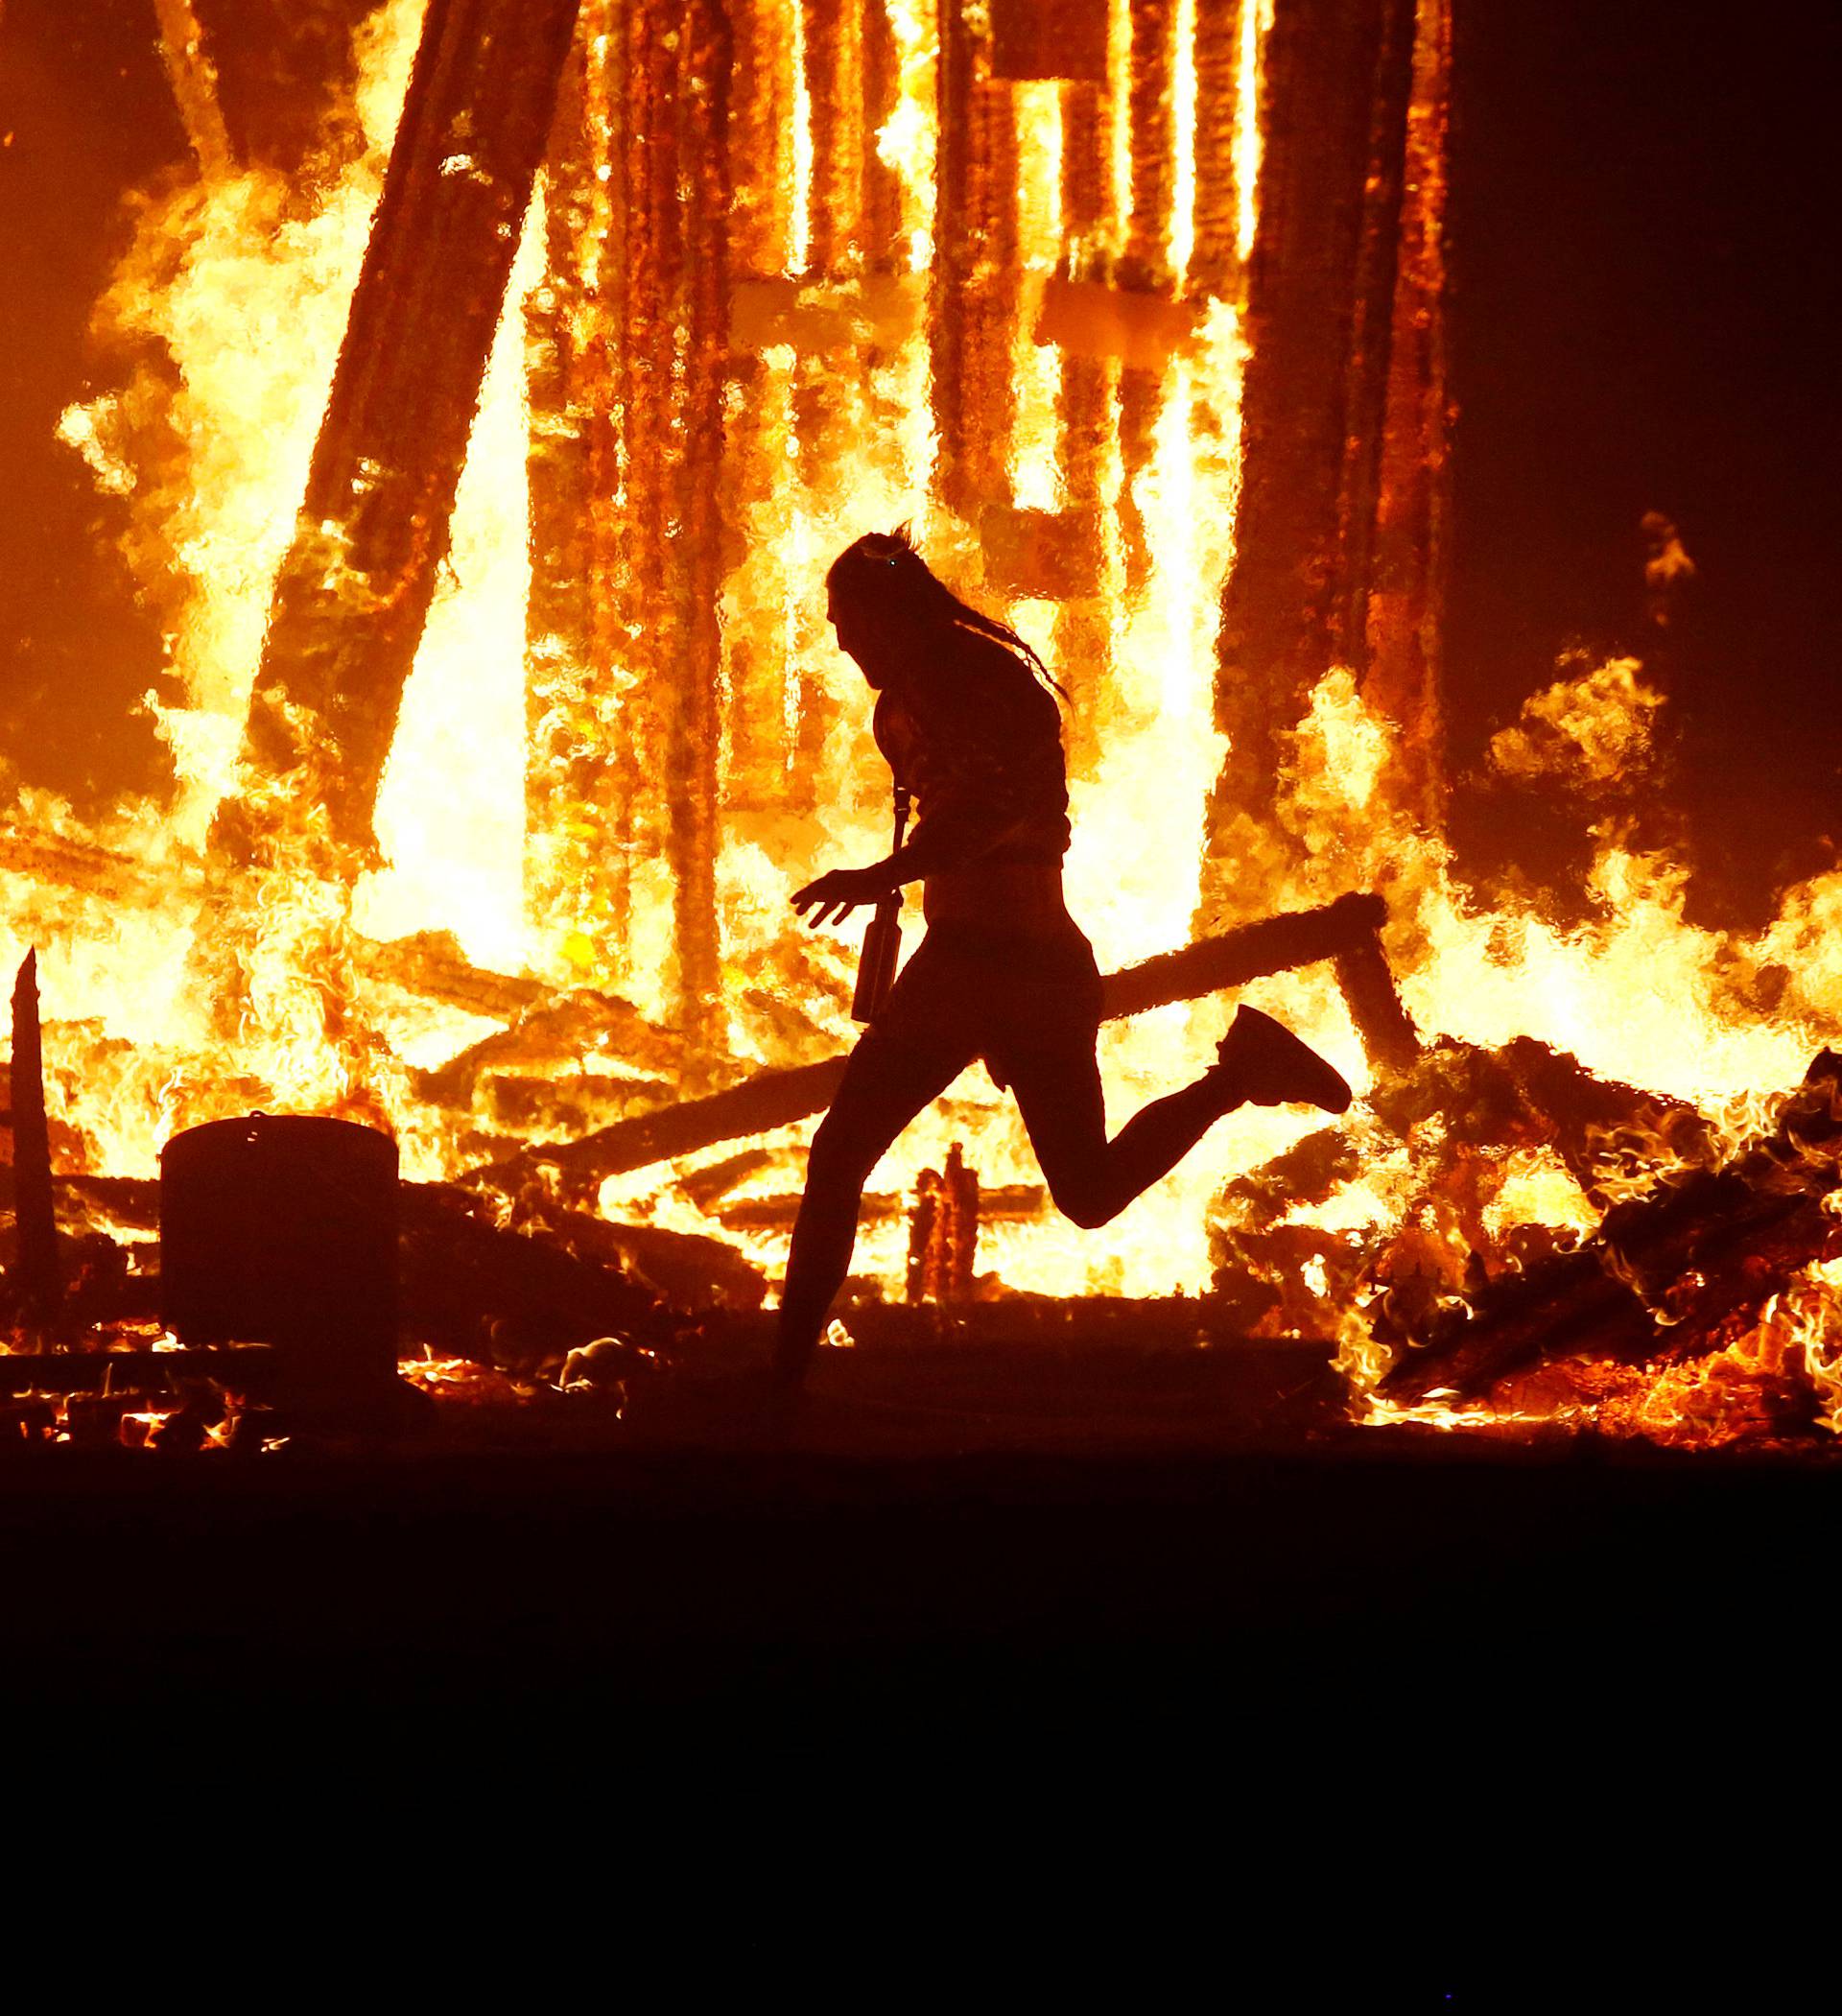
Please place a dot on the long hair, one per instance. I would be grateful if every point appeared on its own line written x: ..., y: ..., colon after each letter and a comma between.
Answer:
x: 884, y: 570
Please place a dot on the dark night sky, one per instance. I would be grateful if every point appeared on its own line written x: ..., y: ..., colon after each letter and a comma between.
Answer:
x: 1645, y: 317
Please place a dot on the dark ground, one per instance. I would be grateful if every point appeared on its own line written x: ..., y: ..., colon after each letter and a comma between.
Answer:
x: 1248, y: 1703
x: 1448, y: 1680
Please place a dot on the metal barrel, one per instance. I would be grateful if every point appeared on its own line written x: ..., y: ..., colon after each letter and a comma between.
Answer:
x: 281, y: 1229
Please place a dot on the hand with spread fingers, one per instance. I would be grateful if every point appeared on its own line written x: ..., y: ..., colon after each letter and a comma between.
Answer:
x: 834, y: 896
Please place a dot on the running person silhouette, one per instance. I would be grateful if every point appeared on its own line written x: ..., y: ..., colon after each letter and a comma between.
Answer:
x: 965, y: 716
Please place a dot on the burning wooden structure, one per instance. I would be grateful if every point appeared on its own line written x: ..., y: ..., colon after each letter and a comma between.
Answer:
x: 505, y: 713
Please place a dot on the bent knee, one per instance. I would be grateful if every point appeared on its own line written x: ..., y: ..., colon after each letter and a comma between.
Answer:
x: 1088, y: 1208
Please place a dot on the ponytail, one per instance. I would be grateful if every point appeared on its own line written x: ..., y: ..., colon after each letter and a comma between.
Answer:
x: 886, y: 569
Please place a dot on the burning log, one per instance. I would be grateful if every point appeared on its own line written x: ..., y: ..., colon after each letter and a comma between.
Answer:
x: 777, y: 1098
x: 554, y: 1036
x: 354, y: 589
x: 432, y: 966
x: 1345, y: 931
x: 1667, y: 1275
x: 243, y: 1368
x: 36, y: 1282
x: 773, y: 1098
x: 84, y: 867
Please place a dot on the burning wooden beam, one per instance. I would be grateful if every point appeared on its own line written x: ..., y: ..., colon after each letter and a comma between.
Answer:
x: 194, y: 86
x: 354, y: 589
x: 34, y: 1281
x: 777, y: 1098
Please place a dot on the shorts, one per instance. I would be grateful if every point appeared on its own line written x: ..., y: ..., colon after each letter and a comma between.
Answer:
x: 992, y: 995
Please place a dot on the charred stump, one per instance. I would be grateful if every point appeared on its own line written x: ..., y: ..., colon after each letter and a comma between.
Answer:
x: 1668, y: 1274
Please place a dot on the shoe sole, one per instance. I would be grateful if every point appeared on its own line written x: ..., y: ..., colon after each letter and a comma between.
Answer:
x: 1319, y: 1084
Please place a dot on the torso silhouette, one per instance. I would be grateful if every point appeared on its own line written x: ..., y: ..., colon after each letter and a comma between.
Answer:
x: 976, y: 738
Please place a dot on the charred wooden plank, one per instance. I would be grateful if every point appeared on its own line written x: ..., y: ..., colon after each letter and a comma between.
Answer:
x: 34, y: 1274
x: 774, y: 1098
x: 1270, y: 945
x: 475, y: 1288
x: 354, y: 589
x: 243, y: 1367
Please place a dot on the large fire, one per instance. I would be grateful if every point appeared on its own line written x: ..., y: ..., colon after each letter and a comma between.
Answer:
x: 1011, y: 309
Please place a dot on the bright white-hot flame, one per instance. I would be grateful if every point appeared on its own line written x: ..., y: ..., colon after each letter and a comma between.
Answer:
x: 906, y: 142
x: 451, y: 808
x: 1035, y: 460
x: 1183, y: 112
x: 1256, y: 18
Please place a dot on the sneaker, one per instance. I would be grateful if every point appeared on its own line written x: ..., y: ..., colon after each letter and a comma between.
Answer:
x: 1270, y: 1067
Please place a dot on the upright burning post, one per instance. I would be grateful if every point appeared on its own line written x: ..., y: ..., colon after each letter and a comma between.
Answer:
x: 35, y: 1270
x: 1322, y: 314
x: 354, y: 589
x: 625, y: 675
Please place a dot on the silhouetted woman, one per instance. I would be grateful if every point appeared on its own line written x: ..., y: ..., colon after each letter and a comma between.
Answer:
x: 965, y: 716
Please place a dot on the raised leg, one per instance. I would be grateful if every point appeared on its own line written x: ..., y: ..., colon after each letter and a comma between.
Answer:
x: 1090, y: 1179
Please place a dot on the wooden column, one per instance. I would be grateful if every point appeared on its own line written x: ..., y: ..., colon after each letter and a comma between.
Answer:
x: 1145, y: 267
x: 1088, y: 416
x: 665, y: 272
x: 569, y: 887
x: 834, y: 45
x: 1408, y: 567
x: 881, y: 224
x: 973, y: 300
x: 1319, y: 314
x: 691, y: 747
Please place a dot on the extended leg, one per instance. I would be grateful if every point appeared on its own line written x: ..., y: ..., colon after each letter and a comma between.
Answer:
x: 1092, y: 1179
x: 886, y: 1083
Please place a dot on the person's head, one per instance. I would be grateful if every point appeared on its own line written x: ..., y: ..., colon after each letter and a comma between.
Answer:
x: 883, y: 598
x: 880, y: 593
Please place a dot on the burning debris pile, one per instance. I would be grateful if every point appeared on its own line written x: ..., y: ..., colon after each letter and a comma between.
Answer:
x: 481, y: 459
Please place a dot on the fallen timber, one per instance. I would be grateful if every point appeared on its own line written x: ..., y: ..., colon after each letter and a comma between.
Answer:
x: 355, y: 586
x: 1669, y: 1276
x: 1344, y: 931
